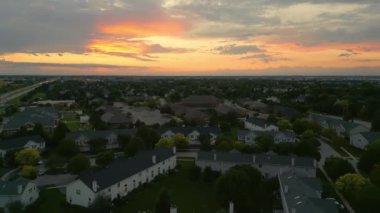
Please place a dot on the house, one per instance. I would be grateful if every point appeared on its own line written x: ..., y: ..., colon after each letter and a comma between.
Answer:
x: 249, y: 137
x: 66, y: 103
x: 120, y: 177
x: 257, y: 124
x: 192, y: 133
x: 21, y: 189
x: 268, y: 164
x: 303, y: 194
x: 29, y: 117
x: 254, y: 105
x: 340, y: 126
x: 114, y: 116
x: 83, y: 138
x: 84, y: 120
x: 362, y: 139
x: 201, y: 101
x: 35, y: 142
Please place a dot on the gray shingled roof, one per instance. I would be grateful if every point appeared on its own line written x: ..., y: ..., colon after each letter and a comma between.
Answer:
x: 188, y: 130
x: 334, y: 121
x: 10, y: 187
x: 101, y: 134
x: 200, y: 100
x: 303, y: 194
x: 17, y: 143
x: 258, y: 122
x: 264, y: 158
x: 371, y: 136
x: 289, y: 134
x: 121, y: 168
x: 46, y: 116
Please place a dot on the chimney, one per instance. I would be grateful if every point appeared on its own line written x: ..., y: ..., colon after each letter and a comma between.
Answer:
x: 94, y: 186
x: 231, y: 207
x: 253, y: 158
x: 286, y: 189
x: 19, y: 189
x: 292, y: 161
x: 174, y: 150
x: 215, y: 156
x: 154, y: 159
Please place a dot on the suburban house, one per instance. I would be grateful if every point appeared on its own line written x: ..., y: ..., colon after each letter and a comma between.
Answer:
x: 254, y: 105
x: 82, y: 139
x: 303, y: 194
x: 29, y: 117
x: 120, y: 177
x: 340, y: 126
x: 65, y: 103
x: 257, y: 124
x: 192, y: 133
x: 114, y: 116
x: 362, y: 139
x: 201, y: 101
x: 21, y: 189
x: 35, y: 142
x: 249, y: 137
x: 268, y: 164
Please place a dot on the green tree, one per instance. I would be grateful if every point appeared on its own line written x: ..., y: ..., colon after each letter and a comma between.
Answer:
x: 55, y: 162
x: 104, y: 158
x: 265, y: 142
x: 149, y: 136
x: 165, y: 142
x: 136, y: 144
x: 195, y: 173
x: 370, y: 157
x: 336, y: 167
x: 78, y: 164
x: 284, y: 124
x: 163, y: 204
x: 376, y: 121
x: 29, y: 172
x: 205, y: 141
x: 59, y: 133
x: 349, y: 184
x: 68, y: 148
x: 27, y: 156
x: 181, y: 141
x: 210, y: 175
x: 97, y: 145
x: 15, y: 207
x: 375, y: 175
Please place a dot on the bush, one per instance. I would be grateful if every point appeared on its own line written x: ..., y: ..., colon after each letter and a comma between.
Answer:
x: 29, y: 172
x: 195, y: 173
x: 209, y: 175
x: 336, y: 167
x: 78, y: 164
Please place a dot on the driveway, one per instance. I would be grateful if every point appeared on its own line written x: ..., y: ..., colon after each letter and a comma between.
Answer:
x: 326, y: 151
x: 58, y: 180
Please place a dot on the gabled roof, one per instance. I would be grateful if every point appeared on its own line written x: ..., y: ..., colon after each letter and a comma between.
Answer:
x: 17, y: 143
x: 371, y: 136
x: 11, y: 187
x: 303, y: 193
x: 334, y: 121
x: 258, y: 122
x: 200, y: 100
x: 289, y: 134
x: 122, y: 168
x: 264, y: 159
x: 188, y: 130
x: 101, y: 134
x: 46, y: 116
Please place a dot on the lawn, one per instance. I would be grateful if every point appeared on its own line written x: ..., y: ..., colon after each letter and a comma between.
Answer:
x: 52, y: 200
x: 187, y: 196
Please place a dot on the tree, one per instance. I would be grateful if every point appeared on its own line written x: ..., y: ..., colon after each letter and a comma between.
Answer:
x: 136, y: 144
x: 370, y: 157
x: 336, y: 167
x: 210, y: 175
x: 163, y: 204
x: 59, y: 133
x: 28, y: 156
x: 195, y: 173
x: 29, y: 172
x: 181, y: 141
x: 97, y: 145
x: 68, y: 148
x: 349, y: 184
x: 104, y: 158
x: 100, y: 205
x: 376, y: 121
x: 205, y: 141
x: 165, y: 142
x: 375, y: 175
x: 15, y: 207
x: 55, y: 162
x: 265, y: 142
x: 123, y: 140
x: 329, y: 133
x: 149, y: 136
x: 78, y: 164
x: 223, y: 145
x: 307, y: 148
x: 284, y: 124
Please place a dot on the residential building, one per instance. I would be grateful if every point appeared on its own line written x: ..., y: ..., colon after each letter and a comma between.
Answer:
x: 249, y: 137
x: 83, y: 138
x: 120, y: 177
x: 114, y: 117
x: 257, y: 124
x: 269, y: 164
x: 21, y: 189
x: 29, y: 117
x: 201, y: 101
x: 35, y: 142
x: 362, y: 139
x: 341, y: 127
x: 192, y: 133
x: 303, y: 194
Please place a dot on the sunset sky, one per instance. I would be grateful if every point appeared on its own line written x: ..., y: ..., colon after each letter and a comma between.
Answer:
x: 190, y: 37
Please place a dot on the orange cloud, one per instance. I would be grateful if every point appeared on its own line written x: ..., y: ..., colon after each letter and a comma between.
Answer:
x: 154, y: 28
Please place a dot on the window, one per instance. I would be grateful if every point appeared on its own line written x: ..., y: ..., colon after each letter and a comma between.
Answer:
x: 78, y: 192
x: 126, y: 187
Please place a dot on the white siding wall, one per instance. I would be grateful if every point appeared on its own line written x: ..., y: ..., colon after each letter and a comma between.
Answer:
x: 78, y: 193
x: 358, y: 141
x: 30, y: 194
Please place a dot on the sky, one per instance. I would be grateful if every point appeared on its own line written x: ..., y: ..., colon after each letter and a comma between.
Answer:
x: 190, y: 37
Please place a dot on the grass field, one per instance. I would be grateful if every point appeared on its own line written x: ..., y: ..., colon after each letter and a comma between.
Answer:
x: 187, y: 196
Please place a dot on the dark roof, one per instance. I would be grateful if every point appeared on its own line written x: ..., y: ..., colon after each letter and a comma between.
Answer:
x: 101, y: 134
x: 371, y: 136
x: 46, y: 116
x: 333, y: 121
x: 303, y: 194
x: 122, y: 168
x: 258, y: 122
x: 272, y: 159
x: 11, y: 187
x: 188, y: 130
x: 201, y: 101
x: 17, y: 143
x: 113, y: 115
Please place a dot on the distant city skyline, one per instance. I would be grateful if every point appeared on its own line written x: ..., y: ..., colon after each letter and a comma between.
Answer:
x: 189, y: 37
